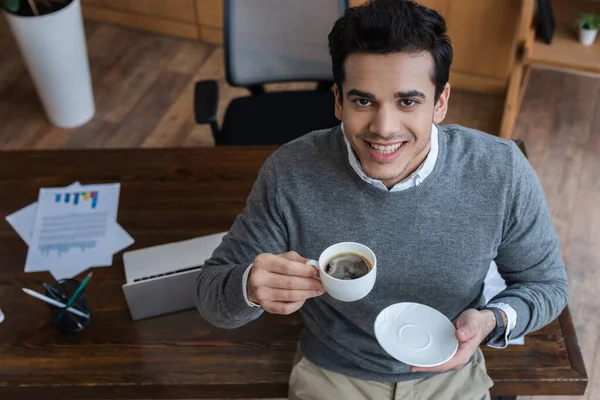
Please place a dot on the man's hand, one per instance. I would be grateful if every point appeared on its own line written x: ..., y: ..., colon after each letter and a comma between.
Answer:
x: 472, y: 326
x: 282, y: 283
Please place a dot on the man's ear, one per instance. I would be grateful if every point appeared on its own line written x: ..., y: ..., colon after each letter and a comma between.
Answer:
x: 338, y: 102
x: 441, y: 107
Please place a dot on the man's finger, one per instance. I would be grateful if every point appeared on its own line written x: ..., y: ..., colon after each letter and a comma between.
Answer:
x: 293, y: 256
x: 278, y: 307
x: 279, y: 281
x: 295, y: 268
x: 462, y: 356
x: 267, y: 294
x: 453, y: 363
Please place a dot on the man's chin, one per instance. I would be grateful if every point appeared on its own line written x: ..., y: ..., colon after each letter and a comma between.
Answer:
x: 383, y: 175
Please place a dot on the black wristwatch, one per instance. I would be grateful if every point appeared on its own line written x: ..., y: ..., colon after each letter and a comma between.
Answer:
x: 500, y: 328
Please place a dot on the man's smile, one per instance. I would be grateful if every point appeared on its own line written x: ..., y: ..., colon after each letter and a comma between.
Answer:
x: 384, y: 152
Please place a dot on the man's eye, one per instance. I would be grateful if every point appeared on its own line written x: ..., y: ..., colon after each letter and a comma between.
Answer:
x: 363, y: 102
x: 408, y: 102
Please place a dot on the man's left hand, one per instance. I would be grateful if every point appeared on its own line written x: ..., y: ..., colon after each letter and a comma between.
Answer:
x: 472, y: 326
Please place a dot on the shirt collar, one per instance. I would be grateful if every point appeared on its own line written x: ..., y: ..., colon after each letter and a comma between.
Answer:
x: 413, y: 180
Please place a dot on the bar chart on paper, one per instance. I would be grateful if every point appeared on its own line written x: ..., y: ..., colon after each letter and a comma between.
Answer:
x: 65, y: 258
x: 62, y: 248
x: 74, y: 227
x: 74, y: 230
x: 77, y: 230
x: 75, y: 198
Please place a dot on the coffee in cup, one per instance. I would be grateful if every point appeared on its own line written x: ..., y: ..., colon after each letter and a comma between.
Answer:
x: 347, y: 270
x: 348, y: 266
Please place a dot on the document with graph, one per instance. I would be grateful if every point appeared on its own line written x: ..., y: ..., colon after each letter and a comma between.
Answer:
x: 73, y: 227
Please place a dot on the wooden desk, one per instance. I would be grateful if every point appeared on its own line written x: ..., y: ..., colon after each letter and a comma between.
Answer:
x: 169, y: 195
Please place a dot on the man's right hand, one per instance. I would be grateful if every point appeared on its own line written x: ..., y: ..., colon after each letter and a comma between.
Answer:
x: 282, y: 283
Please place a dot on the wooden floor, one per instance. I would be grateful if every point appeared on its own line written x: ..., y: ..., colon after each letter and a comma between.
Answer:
x: 143, y: 86
x: 560, y: 124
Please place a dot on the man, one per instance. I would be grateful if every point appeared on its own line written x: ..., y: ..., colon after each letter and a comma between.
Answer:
x: 437, y: 204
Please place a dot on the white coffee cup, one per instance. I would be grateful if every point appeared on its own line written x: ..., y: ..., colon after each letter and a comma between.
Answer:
x: 351, y: 289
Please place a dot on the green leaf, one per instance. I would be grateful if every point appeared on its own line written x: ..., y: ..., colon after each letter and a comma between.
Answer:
x: 10, y: 5
x: 589, y: 20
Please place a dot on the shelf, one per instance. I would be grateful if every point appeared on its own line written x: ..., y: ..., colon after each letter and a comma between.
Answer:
x: 565, y: 51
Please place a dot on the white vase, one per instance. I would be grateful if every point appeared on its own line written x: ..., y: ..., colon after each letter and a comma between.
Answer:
x: 55, y: 53
x: 587, y: 36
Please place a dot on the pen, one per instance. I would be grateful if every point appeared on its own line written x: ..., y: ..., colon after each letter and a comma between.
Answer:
x: 55, y: 292
x: 54, y: 302
x: 75, y: 295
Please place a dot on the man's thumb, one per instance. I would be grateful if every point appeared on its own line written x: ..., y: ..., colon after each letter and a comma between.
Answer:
x: 464, y: 330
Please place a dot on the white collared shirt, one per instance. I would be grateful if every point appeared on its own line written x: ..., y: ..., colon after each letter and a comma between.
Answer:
x: 414, y: 179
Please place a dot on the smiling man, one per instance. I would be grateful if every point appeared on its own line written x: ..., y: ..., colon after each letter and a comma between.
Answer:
x: 387, y: 103
x: 437, y: 205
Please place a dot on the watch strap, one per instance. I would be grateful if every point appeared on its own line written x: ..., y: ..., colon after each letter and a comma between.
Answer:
x: 500, y: 326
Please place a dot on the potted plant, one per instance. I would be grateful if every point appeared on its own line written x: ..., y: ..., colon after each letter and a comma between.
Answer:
x: 589, y: 24
x: 51, y: 39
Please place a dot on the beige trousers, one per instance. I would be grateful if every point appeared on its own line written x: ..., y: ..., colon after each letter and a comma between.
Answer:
x: 309, y: 382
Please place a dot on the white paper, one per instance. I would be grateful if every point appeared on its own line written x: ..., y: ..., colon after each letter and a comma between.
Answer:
x: 72, y: 227
x: 22, y: 222
x: 121, y: 240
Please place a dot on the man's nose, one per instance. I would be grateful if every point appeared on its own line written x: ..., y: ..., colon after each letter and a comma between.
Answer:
x: 386, y: 122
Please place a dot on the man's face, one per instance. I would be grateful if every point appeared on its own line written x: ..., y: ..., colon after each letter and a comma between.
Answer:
x: 387, y: 110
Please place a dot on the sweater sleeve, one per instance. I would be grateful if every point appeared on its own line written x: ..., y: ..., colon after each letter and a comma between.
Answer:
x: 529, y: 257
x: 260, y: 228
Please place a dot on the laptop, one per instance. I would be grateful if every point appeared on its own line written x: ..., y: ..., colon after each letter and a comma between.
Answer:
x: 162, y: 279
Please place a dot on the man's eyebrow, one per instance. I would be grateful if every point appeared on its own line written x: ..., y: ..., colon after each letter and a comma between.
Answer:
x: 409, y: 93
x: 397, y: 95
x: 360, y: 93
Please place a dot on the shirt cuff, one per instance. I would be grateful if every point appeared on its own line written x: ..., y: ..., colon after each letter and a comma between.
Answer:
x: 245, y: 286
x: 511, y: 316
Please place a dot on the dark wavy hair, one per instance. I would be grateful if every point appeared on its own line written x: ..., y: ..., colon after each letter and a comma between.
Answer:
x: 392, y: 26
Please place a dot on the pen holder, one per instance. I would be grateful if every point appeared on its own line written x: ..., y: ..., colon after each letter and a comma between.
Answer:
x: 69, y: 322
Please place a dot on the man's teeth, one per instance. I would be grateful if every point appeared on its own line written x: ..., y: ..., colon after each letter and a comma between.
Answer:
x: 386, y: 149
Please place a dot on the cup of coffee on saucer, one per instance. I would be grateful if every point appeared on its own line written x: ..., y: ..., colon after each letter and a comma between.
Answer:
x: 347, y: 270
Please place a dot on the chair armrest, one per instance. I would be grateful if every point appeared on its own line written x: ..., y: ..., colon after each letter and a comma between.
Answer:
x: 206, y: 101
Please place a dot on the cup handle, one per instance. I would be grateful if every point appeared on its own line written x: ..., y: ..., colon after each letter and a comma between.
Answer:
x: 314, y: 263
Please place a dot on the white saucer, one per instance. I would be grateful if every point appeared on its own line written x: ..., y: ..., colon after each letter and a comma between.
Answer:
x: 416, y: 334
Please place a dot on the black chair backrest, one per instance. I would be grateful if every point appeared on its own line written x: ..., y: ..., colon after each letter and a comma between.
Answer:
x: 278, y: 40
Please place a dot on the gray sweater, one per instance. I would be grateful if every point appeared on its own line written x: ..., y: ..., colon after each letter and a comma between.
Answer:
x: 434, y: 242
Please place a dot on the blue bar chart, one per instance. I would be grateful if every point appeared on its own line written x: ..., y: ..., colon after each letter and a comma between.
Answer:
x: 73, y: 198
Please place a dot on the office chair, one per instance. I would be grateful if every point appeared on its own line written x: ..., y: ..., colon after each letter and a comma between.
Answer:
x: 267, y: 41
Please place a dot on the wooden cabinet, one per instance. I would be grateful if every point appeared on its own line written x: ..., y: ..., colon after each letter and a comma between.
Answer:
x: 178, y: 10
x: 195, y: 19
x: 487, y: 36
x: 171, y: 17
x: 209, y: 14
x: 483, y: 32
